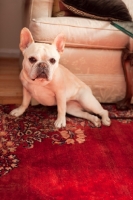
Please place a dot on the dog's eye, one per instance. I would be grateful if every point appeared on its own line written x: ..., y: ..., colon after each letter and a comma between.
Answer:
x: 32, y: 59
x: 52, y: 60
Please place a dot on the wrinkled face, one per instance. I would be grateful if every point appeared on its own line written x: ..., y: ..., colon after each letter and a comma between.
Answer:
x: 40, y: 61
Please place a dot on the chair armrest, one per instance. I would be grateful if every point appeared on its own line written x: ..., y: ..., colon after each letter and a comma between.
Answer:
x: 37, y: 9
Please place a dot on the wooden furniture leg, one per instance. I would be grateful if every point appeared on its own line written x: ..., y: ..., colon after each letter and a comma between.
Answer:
x: 127, y: 63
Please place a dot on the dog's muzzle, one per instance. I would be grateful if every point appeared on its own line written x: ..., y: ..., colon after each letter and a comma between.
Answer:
x: 41, y: 71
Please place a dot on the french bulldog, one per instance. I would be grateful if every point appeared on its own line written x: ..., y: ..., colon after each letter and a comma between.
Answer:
x: 50, y: 83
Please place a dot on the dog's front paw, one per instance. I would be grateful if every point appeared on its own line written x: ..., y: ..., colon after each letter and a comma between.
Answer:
x: 60, y: 122
x: 17, y: 112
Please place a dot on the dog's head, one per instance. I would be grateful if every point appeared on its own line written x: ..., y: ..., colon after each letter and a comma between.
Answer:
x: 40, y: 60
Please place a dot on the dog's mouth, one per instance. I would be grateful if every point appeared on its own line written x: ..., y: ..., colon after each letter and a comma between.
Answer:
x: 42, y: 75
x: 40, y: 71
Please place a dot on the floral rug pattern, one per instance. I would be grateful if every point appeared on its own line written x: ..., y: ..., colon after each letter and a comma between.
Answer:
x: 37, y: 124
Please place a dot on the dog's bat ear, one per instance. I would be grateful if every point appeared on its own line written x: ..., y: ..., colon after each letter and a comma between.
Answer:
x: 25, y: 39
x: 59, y: 42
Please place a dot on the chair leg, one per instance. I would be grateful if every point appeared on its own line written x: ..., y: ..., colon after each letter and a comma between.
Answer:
x: 127, y: 64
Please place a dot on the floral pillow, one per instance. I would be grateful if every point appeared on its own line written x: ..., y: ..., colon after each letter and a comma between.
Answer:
x: 97, y: 9
x: 60, y: 10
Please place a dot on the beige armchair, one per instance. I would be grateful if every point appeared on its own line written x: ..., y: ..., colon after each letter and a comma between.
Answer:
x: 93, y: 47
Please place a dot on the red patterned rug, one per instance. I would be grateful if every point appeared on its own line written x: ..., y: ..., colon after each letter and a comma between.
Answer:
x: 79, y: 162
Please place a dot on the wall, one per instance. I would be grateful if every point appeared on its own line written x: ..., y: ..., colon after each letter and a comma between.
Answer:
x: 11, y: 18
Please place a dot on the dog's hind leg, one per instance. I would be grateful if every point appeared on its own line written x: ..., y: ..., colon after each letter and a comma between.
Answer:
x: 92, y: 105
x: 75, y: 109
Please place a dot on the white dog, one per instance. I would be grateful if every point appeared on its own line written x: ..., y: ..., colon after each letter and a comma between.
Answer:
x: 44, y: 79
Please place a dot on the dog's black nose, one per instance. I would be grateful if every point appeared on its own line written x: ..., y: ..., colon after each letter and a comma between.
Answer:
x: 42, y: 65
